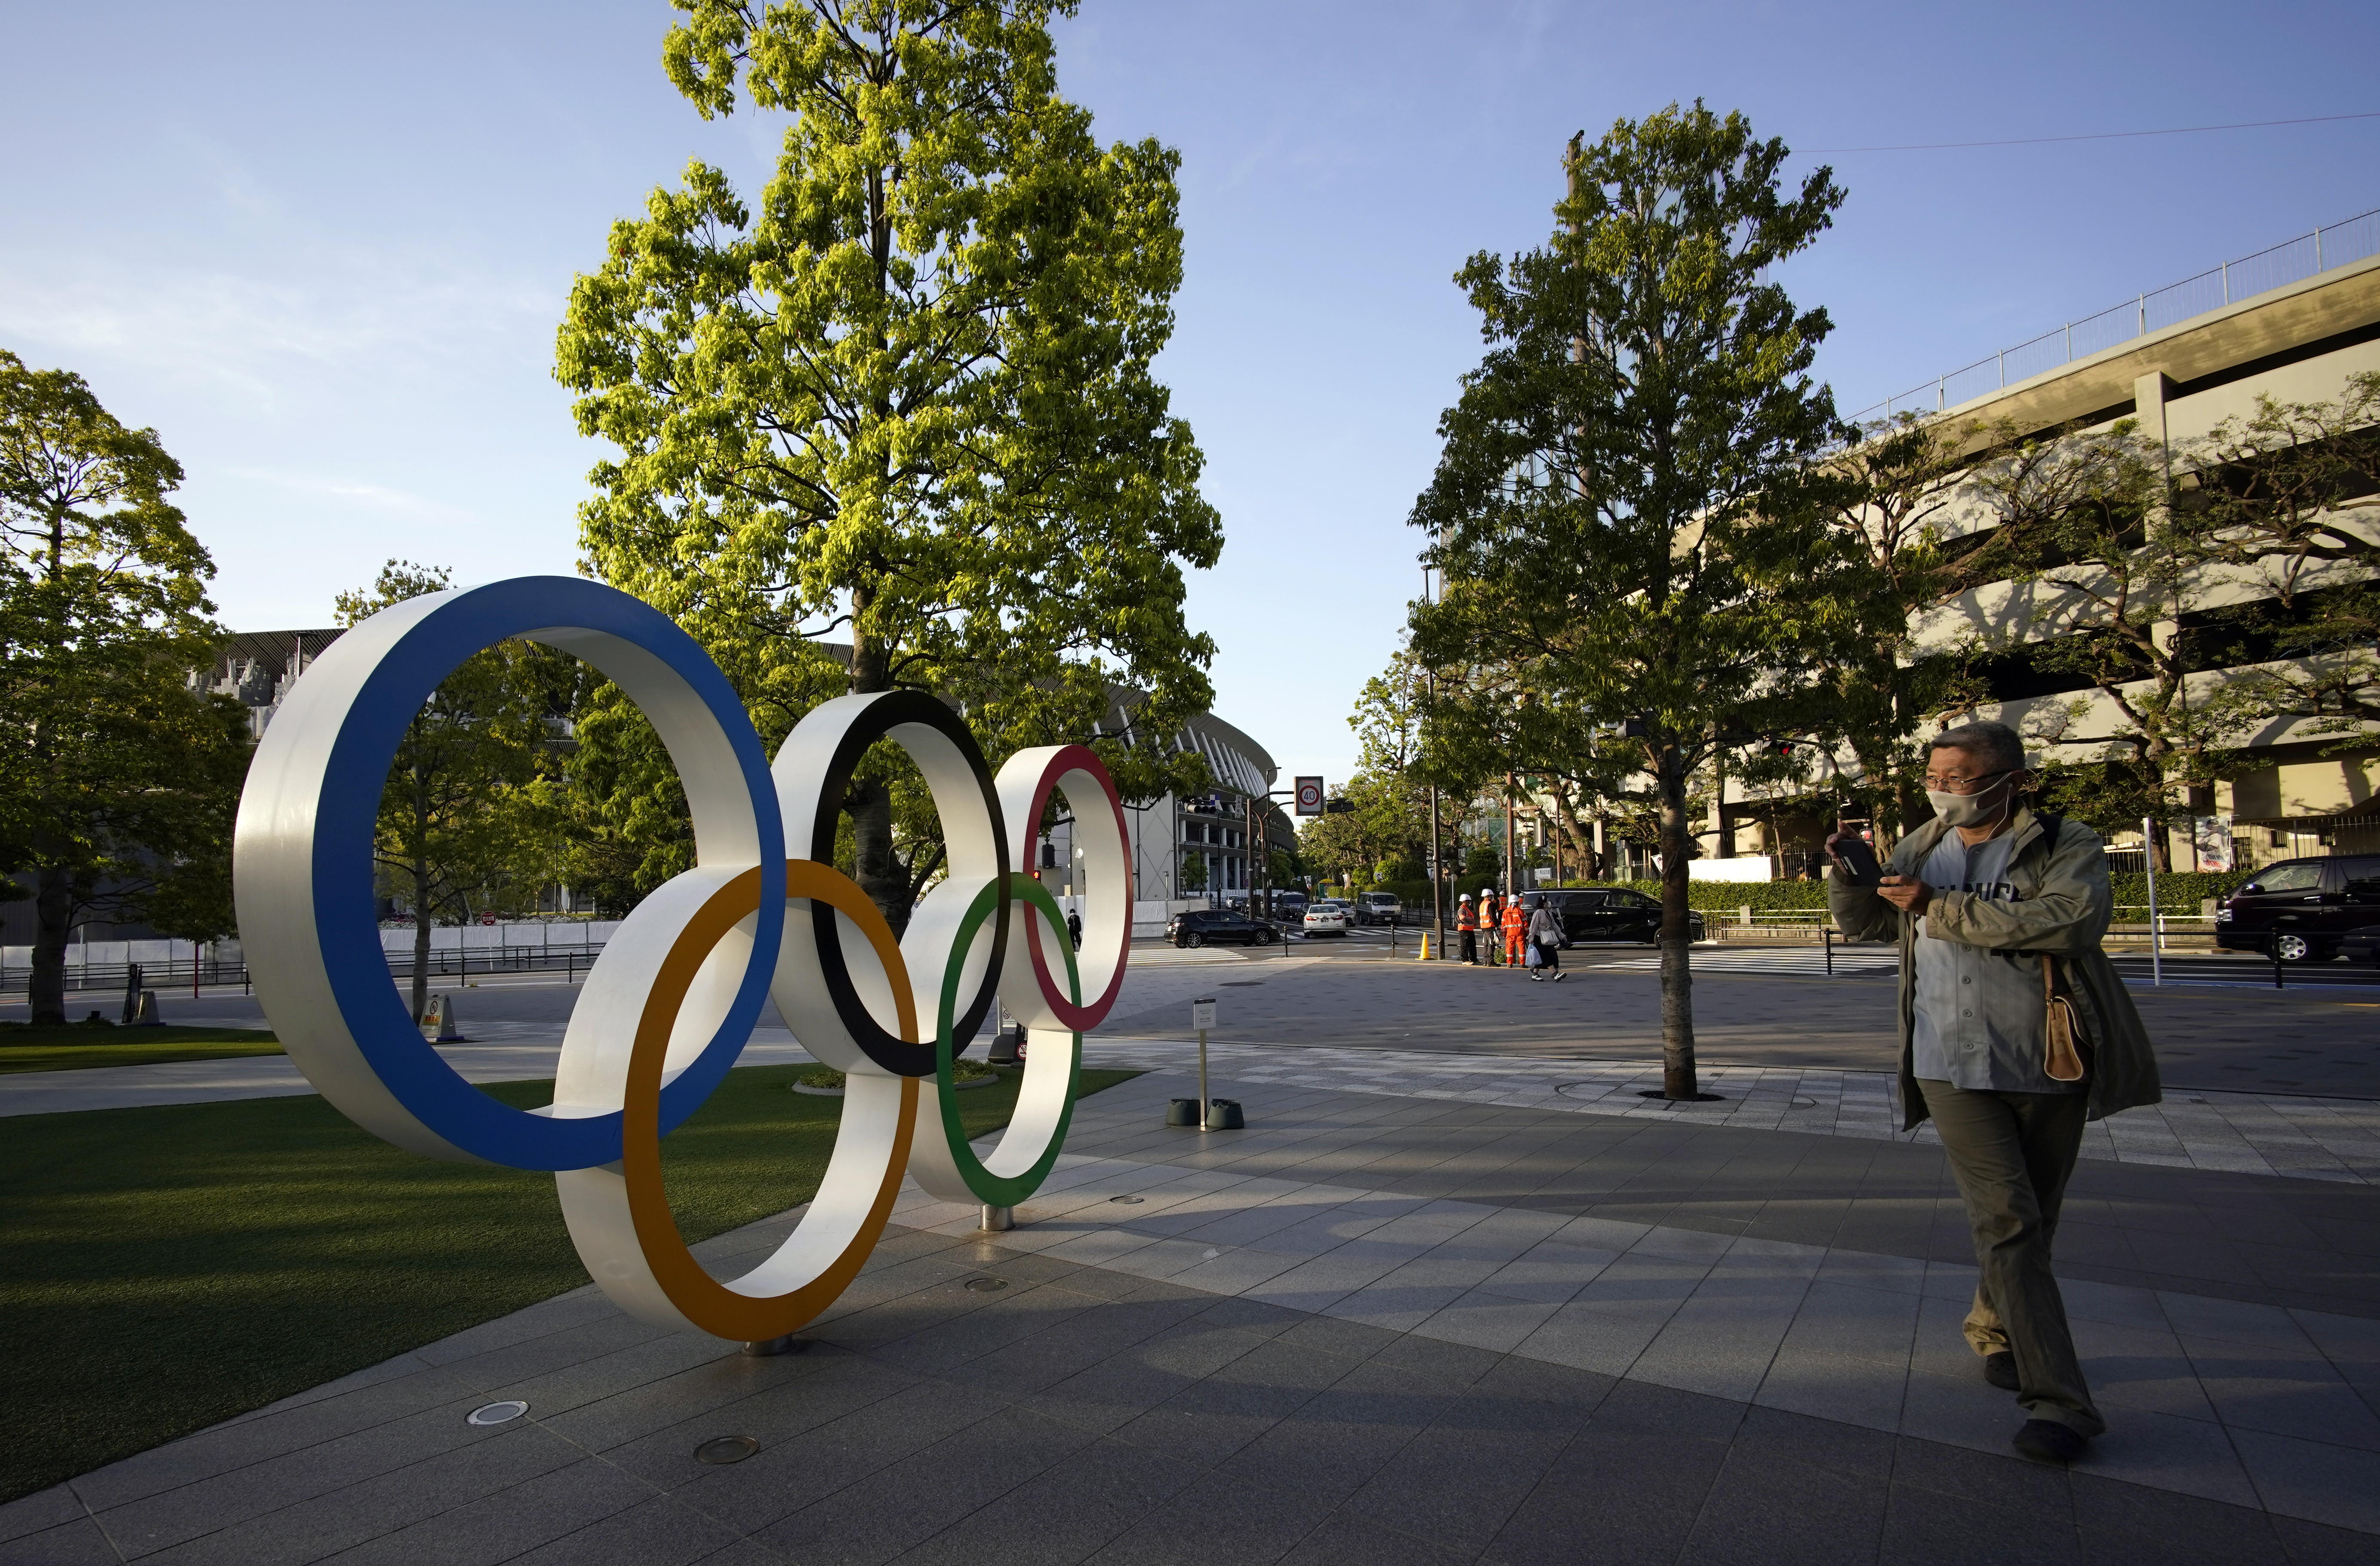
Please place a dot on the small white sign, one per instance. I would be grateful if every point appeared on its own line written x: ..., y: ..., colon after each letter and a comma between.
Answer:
x: 1202, y: 1015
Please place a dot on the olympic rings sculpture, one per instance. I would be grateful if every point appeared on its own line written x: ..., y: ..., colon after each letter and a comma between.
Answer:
x: 673, y: 996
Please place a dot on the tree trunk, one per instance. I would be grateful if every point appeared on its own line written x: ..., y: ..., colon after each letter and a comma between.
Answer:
x: 1677, y: 975
x: 2155, y: 756
x: 53, y: 922
x: 874, y: 866
x: 869, y: 803
x: 421, y: 938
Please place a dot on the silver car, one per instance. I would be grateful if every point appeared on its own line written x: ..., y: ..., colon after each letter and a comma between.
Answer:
x: 1326, y: 919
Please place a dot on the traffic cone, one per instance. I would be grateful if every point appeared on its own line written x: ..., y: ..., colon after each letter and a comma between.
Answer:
x: 1425, y: 950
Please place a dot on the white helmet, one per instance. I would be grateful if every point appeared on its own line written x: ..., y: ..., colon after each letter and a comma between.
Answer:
x: 1465, y: 898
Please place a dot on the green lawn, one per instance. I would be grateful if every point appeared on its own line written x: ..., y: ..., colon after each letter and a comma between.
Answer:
x: 163, y: 1268
x: 79, y: 1045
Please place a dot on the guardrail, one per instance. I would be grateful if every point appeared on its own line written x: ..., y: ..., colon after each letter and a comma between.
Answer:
x: 448, y: 964
x: 2276, y: 266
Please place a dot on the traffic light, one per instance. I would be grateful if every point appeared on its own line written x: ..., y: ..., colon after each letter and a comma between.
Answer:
x: 1338, y: 806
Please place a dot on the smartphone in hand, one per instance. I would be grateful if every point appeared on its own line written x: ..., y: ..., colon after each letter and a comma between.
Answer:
x: 1855, y: 860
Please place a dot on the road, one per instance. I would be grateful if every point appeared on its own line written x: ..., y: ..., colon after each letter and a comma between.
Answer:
x: 2216, y: 1021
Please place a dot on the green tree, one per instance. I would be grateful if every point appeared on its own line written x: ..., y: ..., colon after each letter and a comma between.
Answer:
x: 904, y: 399
x: 2122, y: 584
x: 460, y: 818
x: 1904, y: 479
x: 118, y: 775
x: 2292, y: 492
x: 1627, y: 514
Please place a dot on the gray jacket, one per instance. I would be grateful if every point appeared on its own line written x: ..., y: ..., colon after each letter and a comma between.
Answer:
x: 2062, y: 908
x: 1545, y: 928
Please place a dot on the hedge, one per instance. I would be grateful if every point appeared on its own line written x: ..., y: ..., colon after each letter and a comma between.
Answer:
x: 2178, y: 892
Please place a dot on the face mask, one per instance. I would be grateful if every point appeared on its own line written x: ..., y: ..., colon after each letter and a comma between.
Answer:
x: 1967, y: 810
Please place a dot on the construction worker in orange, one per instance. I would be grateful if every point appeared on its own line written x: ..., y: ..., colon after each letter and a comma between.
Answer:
x: 1516, y: 930
x: 1491, y: 914
x: 1466, y: 920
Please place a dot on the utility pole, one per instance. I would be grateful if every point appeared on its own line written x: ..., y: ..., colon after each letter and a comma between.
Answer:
x: 1512, y: 858
x: 1248, y: 856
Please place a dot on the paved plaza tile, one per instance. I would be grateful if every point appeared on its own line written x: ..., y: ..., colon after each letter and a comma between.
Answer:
x: 1373, y: 1328
x: 2336, y: 1139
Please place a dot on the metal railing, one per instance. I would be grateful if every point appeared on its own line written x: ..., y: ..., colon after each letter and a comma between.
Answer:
x: 113, y: 976
x: 2292, y: 260
x: 449, y: 963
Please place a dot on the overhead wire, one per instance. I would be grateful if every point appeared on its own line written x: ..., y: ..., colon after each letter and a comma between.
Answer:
x: 2093, y: 136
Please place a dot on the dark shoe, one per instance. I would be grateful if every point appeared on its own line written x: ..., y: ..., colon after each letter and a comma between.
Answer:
x: 1558, y: 978
x: 1999, y: 1369
x: 2045, y: 1440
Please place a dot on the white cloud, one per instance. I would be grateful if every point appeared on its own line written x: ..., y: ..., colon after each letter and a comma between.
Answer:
x: 335, y: 311
x: 379, y: 497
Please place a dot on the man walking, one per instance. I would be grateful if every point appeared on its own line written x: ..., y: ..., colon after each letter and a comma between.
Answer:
x: 1997, y: 909
x: 1466, y: 920
x: 1516, y: 930
x: 1545, y: 932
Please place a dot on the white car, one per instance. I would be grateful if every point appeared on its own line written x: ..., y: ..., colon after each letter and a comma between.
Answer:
x: 1324, y: 919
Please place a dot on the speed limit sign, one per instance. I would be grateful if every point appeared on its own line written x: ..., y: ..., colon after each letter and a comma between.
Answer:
x: 1309, y: 796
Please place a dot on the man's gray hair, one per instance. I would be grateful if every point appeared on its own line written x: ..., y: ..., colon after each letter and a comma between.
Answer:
x: 1996, y: 745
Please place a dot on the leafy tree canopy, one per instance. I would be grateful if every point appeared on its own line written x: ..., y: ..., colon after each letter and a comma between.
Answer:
x: 1637, y: 543
x: 902, y: 401
x: 116, y: 778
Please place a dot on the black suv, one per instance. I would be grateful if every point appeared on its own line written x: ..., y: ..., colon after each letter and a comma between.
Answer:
x: 1608, y: 913
x: 1197, y: 927
x: 2301, y: 908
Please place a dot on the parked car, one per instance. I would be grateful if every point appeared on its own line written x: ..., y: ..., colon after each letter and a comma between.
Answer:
x: 1199, y: 927
x: 1380, y: 907
x: 1613, y: 913
x: 1325, y: 918
x: 2302, y: 910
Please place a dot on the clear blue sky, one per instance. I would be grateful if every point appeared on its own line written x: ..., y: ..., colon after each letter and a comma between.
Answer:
x: 322, y: 249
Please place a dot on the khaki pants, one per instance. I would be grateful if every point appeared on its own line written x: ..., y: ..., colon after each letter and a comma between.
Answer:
x: 2011, y: 1154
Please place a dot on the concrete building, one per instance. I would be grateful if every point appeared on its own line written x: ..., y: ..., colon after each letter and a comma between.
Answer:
x: 1189, y: 851
x: 2292, y: 323
x: 1185, y: 850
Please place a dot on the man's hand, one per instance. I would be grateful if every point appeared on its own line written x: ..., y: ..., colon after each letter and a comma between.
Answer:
x: 1906, y: 892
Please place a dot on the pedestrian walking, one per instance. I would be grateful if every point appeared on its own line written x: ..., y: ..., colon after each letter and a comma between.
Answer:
x: 1546, y: 934
x: 1491, y: 916
x: 1466, y: 922
x: 1516, y: 930
x: 1074, y: 927
x: 1999, y: 912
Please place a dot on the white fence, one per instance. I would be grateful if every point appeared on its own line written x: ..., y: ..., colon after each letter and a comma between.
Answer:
x: 576, y: 935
